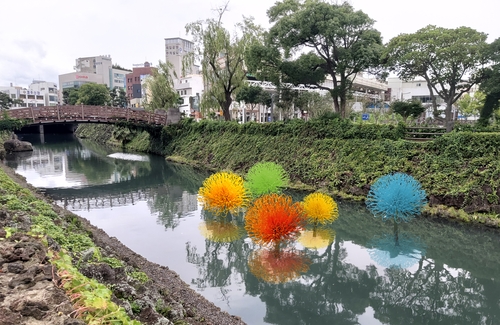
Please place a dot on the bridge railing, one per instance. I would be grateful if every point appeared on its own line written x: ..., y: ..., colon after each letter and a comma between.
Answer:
x: 87, y: 113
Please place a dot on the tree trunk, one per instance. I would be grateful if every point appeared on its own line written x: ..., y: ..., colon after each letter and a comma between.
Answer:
x: 450, y: 121
x: 226, y: 106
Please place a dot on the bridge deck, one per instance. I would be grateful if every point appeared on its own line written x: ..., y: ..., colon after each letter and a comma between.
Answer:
x: 91, y: 114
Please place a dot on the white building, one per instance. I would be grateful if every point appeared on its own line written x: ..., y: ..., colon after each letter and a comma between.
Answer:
x: 416, y: 89
x: 30, y: 98
x: 176, y: 50
x: 95, y: 69
x: 48, y: 89
x: 190, y: 88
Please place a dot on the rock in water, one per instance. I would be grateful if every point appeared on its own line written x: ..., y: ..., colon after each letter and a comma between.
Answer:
x: 16, y: 145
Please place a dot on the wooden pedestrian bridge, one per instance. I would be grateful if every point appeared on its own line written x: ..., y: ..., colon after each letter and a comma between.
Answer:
x: 91, y: 114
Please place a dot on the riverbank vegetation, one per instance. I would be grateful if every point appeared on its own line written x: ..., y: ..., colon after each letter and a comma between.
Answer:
x: 104, y: 282
x: 458, y: 170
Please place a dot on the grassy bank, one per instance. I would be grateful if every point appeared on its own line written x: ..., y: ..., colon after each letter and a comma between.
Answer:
x: 459, y: 171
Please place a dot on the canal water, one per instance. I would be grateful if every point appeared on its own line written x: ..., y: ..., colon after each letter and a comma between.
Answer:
x: 353, y: 272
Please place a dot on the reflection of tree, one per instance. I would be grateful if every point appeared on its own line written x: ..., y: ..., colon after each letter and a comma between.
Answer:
x: 278, y: 266
x: 332, y: 291
x: 432, y: 295
x: 178, y: 196
x: 171, y: 205
x: 396, y: 249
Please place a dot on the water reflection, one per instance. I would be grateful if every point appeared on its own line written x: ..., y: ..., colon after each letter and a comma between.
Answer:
x: 391, y: 250
x: 354, y: 272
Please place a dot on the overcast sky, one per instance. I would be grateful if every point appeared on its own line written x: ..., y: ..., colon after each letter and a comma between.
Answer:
x: 41, y: 39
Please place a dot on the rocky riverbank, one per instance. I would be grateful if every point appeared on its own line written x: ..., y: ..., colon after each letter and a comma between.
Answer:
x: 33, y: 291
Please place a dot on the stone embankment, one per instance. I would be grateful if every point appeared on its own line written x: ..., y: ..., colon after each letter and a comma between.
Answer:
x: 31, y: 290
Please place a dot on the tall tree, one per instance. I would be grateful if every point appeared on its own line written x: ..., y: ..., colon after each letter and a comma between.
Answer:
x: 160, y: 91
x: 222, y: 59
x: 93, y: 94
x: 342, y: 43
x: 450, y: 61
x: 6, y: 102
x: 490, y: 84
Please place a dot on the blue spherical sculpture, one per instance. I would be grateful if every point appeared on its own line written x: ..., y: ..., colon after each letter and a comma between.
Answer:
x: 396, y: 196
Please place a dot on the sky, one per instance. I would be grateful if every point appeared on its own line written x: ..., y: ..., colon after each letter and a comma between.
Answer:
x: 40, y: 40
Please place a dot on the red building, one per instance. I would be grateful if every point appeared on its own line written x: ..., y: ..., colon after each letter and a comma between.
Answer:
x: 134, y: 88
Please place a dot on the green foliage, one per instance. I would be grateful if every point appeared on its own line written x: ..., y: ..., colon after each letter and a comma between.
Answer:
x: 139, y: 276
x: 9, y: 125
x: 93, y: 94
x: 160, y: 92
x: 471, y: 105
x: 343, y: 40
x: 222, y: 56
x: 252, y: 95
x: 408, y: 108
x: 70, y: 96
x: 118, y: 97
x: 442, y: 57
x: 162, y: 309
x: 91, y: 300
x: 6, y: 102
x: 266, y: 177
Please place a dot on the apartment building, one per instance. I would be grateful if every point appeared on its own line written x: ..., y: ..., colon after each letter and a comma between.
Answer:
x: 48, y: 89
x: 30, y: 98
x: 176, y: 50
x: 134, y: 81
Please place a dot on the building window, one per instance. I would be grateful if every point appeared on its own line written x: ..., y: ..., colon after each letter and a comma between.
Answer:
x: 419, y: 84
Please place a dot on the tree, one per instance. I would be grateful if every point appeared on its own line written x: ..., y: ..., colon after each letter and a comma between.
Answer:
x: 93, y: 94
x: 342, y: 41
x: 70, y: 96
x: 314, y: 103
x: 408, y: 108
x: 490, y: 84
x: 450, y: 61
x: 118, y: 97
x: 250, y: 94
x: 471, y: 105
x: 160, y: 88
x: 6, y: 102
x: 222, y: 59
x: 119, y: 67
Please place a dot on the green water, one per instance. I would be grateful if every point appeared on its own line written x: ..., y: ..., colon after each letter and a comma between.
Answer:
x: 434, y: 273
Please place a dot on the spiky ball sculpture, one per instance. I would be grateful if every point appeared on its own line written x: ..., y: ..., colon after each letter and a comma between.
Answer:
x: 273, y: 219
x: 223, y: 193
x: 396, y: 196
x: 266, y: 177
x: 320, y: 208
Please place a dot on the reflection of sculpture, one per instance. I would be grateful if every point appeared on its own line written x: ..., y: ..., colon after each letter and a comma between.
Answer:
x: 223, y: 193
x: 317, y: 238
x: 396, y: 196
x: 398, y: 250
x: 220, y: 231
x: 266, y: 177
x: 278, y: 266
x: 273, y: 219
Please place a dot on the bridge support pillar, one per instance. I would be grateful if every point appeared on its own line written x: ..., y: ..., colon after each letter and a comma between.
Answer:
x: 42, y: 133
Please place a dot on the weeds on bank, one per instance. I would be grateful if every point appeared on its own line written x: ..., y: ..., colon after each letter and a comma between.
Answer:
x: 91, y: 300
